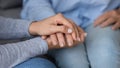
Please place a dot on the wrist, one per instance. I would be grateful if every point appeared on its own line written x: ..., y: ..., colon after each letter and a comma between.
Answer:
x: 32, y: 29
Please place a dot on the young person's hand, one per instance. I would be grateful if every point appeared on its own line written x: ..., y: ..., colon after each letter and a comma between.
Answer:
x: 50, y: 26
x: 109, y: 18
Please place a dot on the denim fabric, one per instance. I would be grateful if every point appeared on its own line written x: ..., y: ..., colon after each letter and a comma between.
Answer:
x: 100, y: 50
x: 36, y: 63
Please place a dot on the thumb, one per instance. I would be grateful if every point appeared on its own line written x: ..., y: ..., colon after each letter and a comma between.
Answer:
x: 61, y: 29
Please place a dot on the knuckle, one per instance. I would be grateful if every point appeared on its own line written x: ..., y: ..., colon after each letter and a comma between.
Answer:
x: 53, y: 35
x: 59, y: 35
x: 112, y: 19
x: 61, y: 38
x: 53, y: 38
x: 59, y: 14
x: 63, y: 28
x: 60, y: 17
x: 114, y: 13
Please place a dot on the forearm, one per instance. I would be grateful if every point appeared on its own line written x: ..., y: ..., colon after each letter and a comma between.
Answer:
x: 13, y: 28
x: 37, y: 10
x: 15, y: 53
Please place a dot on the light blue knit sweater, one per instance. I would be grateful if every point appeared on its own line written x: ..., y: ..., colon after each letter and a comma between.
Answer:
x: 82, y: 12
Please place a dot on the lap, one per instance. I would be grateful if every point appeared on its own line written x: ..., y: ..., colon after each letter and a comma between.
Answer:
x: 74, y: 57
x: 36, y: 63
x: 103, y: 45
x: 95, y: 33
x: 100, y: 42
x: 102, y: 37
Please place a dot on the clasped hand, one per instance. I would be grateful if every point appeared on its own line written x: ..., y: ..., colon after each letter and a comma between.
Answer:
x: 58, y: 31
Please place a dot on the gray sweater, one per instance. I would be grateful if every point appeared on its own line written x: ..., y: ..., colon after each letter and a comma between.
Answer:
x: 15, y: 53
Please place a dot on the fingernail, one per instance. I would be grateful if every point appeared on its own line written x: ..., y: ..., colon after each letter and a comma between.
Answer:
x: 85, y: 34
x: 61, y: 45
x: 70, y: 44
x: 78, y: 39
x: 69, y: 30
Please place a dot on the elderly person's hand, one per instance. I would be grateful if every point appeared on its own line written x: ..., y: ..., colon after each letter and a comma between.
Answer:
x: 58, y: 46
x: 66, y: 40
x: 69, y: 42
x: 109, y: 18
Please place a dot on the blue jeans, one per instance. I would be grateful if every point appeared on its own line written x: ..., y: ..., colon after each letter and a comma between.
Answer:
x: 100, y: 50
x: 36, y: 63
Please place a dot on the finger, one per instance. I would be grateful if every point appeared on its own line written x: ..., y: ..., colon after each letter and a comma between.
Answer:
x: 60, y: 29
x: 63, y: 21
x: 108, y: 22
x: 54, y: 40
x: 116, y: 26
x: 49, y: 42
x: 101, y: 19
x: 69, y: 40
x: 50, y: 45
x: 75, y: 34
x: 44, y: 37
x: 61, y: 39
x: 82, y: 34
x: 82, y: 31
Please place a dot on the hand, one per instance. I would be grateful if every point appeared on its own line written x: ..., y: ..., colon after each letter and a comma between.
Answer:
x: 109, y: 18
x: 65, y: 40
x: 56, y: 39
x: 51, y: 46
x: 50, y: 26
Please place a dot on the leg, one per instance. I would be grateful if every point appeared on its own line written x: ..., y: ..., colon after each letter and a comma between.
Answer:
x: 74, y: 57
x: 103, y: 47
x: 36, y: 63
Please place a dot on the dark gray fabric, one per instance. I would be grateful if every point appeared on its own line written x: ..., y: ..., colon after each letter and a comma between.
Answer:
x: 10, y: 3
x: 10, y: 8
x: 11, y: 13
